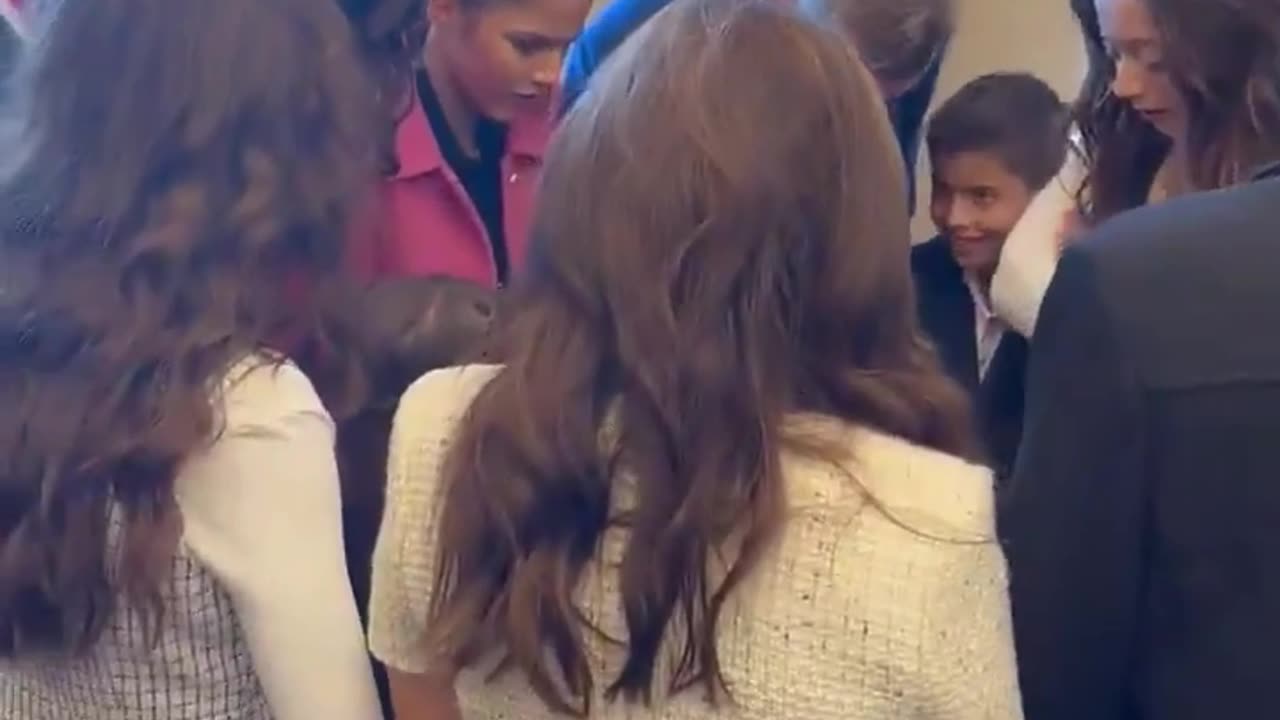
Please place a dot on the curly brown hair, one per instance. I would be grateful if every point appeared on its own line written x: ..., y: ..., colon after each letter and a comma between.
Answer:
x: 178, y: 183
x: 703, y: 266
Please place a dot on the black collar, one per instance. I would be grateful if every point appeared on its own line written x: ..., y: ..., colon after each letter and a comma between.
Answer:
x: 490, y: 139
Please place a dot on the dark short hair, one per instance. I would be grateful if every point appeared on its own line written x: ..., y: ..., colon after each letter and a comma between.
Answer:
x: 1014, y: 115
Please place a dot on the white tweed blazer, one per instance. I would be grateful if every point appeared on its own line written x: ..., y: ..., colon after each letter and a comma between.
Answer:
x: 851, y: 616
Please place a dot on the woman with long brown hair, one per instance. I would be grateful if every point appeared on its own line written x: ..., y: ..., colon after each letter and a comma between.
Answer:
x: 1180, y: 96
x: 174, y: 200
x: 718, y: 473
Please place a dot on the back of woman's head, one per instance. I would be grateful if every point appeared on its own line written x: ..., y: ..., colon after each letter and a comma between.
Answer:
x: 405, y: 327
x: 1223, y: 56
x: 175, y: 192
x: 897, y: 39
x: 721, y: 241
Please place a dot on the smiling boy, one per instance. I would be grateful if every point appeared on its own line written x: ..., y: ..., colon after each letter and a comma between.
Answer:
x: 992, y: 146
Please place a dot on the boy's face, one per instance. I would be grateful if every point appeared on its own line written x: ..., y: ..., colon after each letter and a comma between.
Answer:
x: 976, y: 202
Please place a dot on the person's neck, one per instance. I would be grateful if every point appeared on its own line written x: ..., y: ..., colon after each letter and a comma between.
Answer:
x: 458, y: 114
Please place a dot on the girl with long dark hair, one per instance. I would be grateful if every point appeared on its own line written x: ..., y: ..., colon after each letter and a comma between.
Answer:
x: 1180, y: 96
x: 174, y: 201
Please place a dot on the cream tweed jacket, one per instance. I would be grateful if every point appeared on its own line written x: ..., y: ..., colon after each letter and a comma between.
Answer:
x: 856, y: 613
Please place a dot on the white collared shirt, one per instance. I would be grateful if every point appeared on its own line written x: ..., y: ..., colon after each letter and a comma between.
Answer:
x: 989, y: 329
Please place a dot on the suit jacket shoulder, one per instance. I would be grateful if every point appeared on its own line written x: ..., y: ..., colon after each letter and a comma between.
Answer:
x: 1183, y: 281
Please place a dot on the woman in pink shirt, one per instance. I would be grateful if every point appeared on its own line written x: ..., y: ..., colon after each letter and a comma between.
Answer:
x: 471, y: 84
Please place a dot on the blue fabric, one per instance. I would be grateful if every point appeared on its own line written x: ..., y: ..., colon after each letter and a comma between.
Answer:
x: 613, y: 24
x: 608, y: 29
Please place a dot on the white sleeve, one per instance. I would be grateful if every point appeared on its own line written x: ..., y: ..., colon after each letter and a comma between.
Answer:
x: 262, y: 512
x: 1030, y: 254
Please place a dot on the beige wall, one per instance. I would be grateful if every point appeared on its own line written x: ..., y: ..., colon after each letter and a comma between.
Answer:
x: 1036, y: 36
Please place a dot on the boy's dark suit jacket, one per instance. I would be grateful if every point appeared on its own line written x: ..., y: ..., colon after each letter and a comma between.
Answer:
x: 947, y: 316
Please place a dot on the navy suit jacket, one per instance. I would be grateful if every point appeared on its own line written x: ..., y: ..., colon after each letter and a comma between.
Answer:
x: 947, y: 316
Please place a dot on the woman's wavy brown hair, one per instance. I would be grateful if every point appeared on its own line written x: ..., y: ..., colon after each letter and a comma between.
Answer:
x: 175, y: 193
x: 1225, y: 58
x: 722, y: 241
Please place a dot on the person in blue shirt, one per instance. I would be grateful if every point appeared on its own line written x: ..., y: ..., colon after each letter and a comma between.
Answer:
x: 901, y: 41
